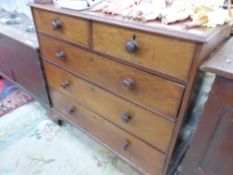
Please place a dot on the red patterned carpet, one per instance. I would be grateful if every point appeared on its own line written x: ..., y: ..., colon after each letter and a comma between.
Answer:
x: 11, y: 97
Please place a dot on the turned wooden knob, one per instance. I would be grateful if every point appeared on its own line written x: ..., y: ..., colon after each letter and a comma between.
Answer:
x: 65, y: 84
x: 126, y: 145
x: 128, y: 83
x: 126, y: 117
x: 70, y: 110
x: 131, y: 46
x: 56, y: 23
x: 60, y: 55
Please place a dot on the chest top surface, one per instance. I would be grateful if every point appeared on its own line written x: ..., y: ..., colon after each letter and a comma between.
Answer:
x: 176, y: 30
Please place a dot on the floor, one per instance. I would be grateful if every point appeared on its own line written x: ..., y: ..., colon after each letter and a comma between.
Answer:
x: 31, y: 144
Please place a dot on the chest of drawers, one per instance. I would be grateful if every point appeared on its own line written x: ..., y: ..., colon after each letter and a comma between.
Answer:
x: 127, y: 85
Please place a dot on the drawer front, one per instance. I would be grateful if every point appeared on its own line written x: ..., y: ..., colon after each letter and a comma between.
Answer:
x: 151, y: 92
x: 137, y: 152
x: 61, y: 26
x: 149, y: 127
x: 167, y: 55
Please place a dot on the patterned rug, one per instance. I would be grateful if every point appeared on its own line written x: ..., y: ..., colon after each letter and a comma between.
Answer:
x: 11, y: 97
x: 31, y: 144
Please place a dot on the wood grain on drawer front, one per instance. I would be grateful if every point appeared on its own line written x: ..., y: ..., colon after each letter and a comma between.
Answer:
x: 75, y: 30
x: 149, y: 127
x: 149, y: 91
x: 139, y: 153
x: 167, y: 55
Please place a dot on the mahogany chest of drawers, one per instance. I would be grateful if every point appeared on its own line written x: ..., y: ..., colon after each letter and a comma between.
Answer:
x: 127, y: 85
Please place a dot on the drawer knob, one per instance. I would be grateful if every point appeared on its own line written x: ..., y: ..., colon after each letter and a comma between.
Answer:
x: 126, y: 117
x: 128, y: 83
x: 60, y: 55
x: 126, y: 145
x: 71, y: 110
x: 131, y: 46
x: 65, y: 84
x: 56, y: 23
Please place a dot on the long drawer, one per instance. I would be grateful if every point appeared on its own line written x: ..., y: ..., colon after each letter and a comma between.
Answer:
x: 152, y: 92
x: 147, y: 126
x: 137, y: 152
x: 65, y: 27
x: 166, y: 55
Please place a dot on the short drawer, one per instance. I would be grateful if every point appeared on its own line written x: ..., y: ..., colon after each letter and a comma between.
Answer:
x: 69, y: 28
x: 162, y: 54
x: 136, y: 152
x: 142, y: 123
x: 152, y: 92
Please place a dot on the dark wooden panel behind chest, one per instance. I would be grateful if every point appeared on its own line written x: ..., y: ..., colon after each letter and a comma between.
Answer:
x: 21, y: 64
